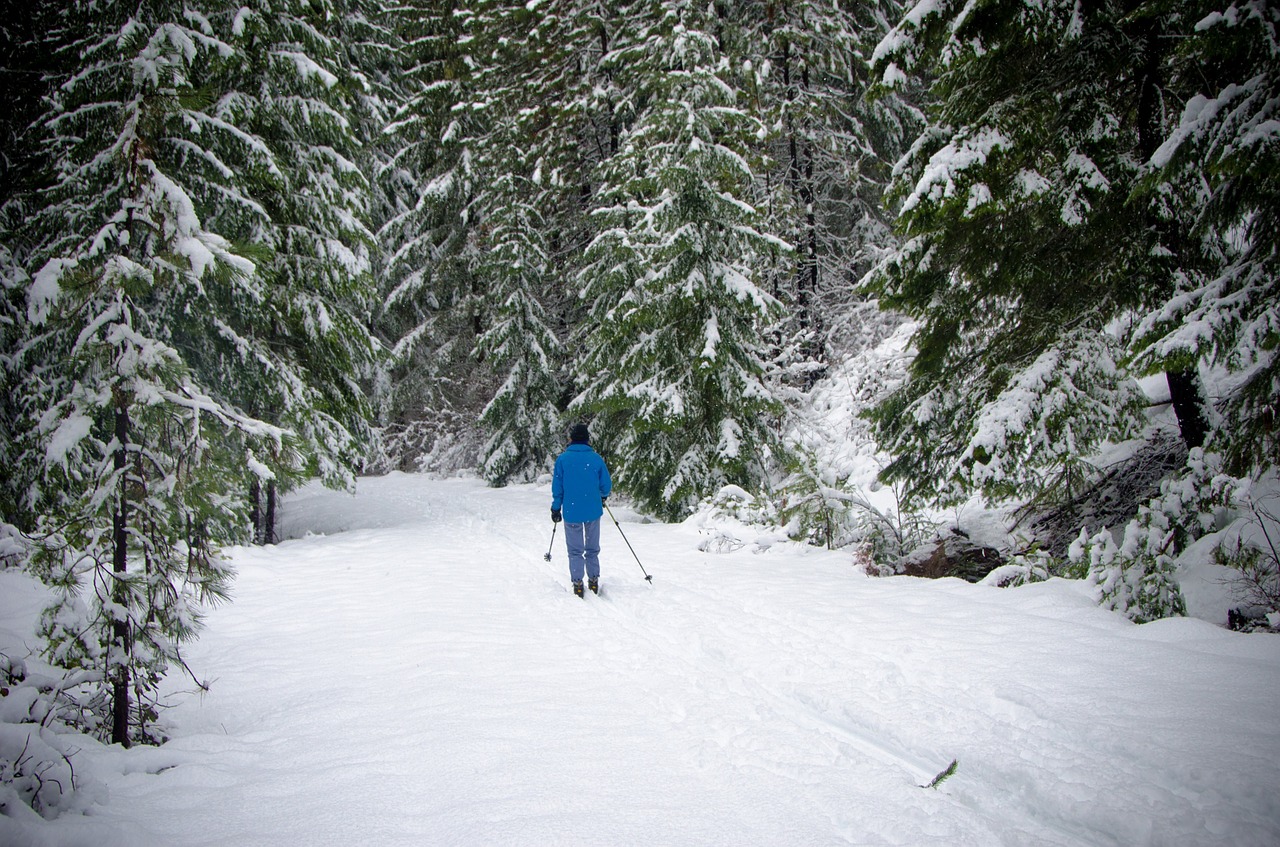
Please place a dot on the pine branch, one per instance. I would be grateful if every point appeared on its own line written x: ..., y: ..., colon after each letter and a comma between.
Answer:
x: 944, y: 775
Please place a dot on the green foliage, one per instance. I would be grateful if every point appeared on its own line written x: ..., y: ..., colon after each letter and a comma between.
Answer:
x: 136, y: 498
x: 639, y: 136
x: 1063, y: 227
x: 522, y: 417
x: 826, y: 509
x: 815, y: 507
x: 1134, y: 578
x: 303, y: 199
x: 673, y: 362
x: 428, y: 393
x: 947, y: 772
x: 192, y: 281
x: 1215, y: 177
x: 1021, y: 247
x: 802, y: 67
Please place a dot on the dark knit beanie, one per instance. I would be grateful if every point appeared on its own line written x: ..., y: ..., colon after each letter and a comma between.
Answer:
x: 578, y: 434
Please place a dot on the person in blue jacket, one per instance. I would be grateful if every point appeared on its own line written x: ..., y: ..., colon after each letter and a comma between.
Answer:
x: 579, y: 485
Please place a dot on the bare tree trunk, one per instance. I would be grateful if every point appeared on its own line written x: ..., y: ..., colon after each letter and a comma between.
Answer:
x: 1188, y: 406
x: 262, y: 511
x: 255, y: 509
x: 119, y: 593
x: 800, y: 175
x: 269, y: 521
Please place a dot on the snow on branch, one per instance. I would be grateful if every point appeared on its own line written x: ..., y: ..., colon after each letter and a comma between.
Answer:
x: 940, y: 177
x: 307, y: 67
x: 190, y: 397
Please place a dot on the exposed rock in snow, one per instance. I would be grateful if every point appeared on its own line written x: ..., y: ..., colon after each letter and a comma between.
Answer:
x: 954, y: 555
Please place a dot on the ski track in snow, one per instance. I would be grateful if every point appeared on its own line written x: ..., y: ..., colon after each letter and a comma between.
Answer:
x: 419, y: 675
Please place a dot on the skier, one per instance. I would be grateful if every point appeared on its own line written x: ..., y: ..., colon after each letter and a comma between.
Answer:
x: 579, y: 484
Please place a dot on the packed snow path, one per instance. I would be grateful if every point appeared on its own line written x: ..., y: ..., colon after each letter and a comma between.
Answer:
x: 407, y: 670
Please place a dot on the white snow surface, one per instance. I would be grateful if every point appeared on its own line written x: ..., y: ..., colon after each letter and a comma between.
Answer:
x: 408, y: 670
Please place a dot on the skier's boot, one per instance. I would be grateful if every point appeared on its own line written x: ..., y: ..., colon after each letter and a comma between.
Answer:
x: 594, y: 585
x: 577, y: 588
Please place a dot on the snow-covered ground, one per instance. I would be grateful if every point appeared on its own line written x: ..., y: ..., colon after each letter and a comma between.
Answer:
x: 407, y: 670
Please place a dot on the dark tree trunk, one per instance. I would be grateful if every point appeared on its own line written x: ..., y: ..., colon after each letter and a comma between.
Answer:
x: 255, y: 509
x: 269, y: 519
x: 119, y: 593
x: 799, y: 174
x: 262, y: 511
x: 1188, y: 406
x: 615, y: 131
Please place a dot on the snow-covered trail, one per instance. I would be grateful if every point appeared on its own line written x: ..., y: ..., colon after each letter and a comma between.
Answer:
x: 418, y: 675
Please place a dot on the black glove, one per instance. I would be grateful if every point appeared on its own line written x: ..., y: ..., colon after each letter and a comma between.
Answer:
x: 555, y: 516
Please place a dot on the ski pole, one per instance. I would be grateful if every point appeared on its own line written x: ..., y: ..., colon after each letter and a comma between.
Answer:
x: 648, y: 578
x: 547, y: 556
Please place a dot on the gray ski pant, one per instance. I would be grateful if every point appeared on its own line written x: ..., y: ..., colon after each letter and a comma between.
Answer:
x: 583, y: 542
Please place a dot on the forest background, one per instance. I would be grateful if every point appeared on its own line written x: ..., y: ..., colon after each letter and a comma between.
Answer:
x: 246, y: 244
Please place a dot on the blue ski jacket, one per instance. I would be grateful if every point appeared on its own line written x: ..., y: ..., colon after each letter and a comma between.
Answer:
x: 579, y: 484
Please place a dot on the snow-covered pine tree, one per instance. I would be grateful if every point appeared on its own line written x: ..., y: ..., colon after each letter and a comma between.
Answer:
x: 370, y: 48
x: 291, y: 87
x: 1214, y: 180
x: 133, y: 468
x: 831, y: 146
x: 27, y: 70
x: 553, y: 121
x: 673, y: 361
x: 428, y: 395
x: 12, y: 288
x: 526, y: 82
x: 518, y: 345
x: 1021, y: 244
x: 373, y: 87
x: 1217, y: 177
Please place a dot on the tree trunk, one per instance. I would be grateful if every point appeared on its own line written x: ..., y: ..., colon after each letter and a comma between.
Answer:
x: 1188, y: 406
x: 269, y: 521
x: 611, y: 120
x: 800, y: 176
x: 255, y: 509
x: 119, y: 594
x: 262, y: 511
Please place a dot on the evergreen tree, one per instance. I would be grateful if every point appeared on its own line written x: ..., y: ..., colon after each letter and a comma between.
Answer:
x: 1060, y: 213
x: 509, y: 120
x: 298, y: 357
x: 28, y: 69
x: 193, y: 332
x: 1217, y: 176
x: 553, y: 122
x: 26, y: 72
x: 1023, y: 246
x: 536, y: 97
x: 673, y: 358
x: 522, y: 417
x: 429, y: 396
x: 133, y: 464
x: 12, y: 287
x: 517, y: 56
x: 808, y: 74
